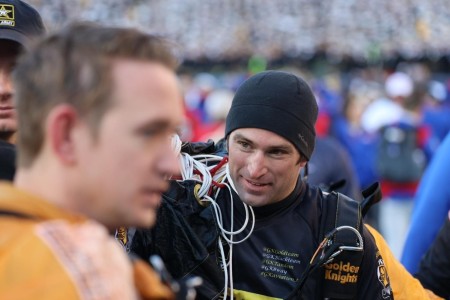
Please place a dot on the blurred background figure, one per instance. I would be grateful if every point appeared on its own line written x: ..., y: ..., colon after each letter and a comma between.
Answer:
x: 360, y: 144
x: 331, y: 166
x: 400, y: 156
x: 436, y: 111
x: 217, y: 104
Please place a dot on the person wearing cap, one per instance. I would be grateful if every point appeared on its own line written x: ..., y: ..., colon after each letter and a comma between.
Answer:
x: 96, y: 108
x: 19, y: 24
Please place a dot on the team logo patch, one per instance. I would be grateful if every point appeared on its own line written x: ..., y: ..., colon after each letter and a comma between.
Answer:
x: 7, y: 15
x: 383, y: 278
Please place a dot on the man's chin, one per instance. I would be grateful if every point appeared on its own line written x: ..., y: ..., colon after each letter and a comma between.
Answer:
x: 144, y: 221
x: 252, y: 200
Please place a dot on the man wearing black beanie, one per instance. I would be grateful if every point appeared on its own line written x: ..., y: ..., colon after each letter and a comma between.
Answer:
x: 271, y: 136
x: 271, y: 222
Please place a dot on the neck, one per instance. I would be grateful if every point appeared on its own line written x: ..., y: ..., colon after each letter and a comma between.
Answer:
x: 46, y: 183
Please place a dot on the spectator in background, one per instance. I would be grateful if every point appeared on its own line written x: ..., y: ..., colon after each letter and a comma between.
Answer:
x: 436, y: 111
x: 216, y: 106
x: 196, y: 90
x: 19, y: 24
x: 348, y: 129
x: 400, y: 155
x: 388, y: 109
x: 96, y: 108
x: 331, y: 164
x: 432, y: 202
x: 360, y: 144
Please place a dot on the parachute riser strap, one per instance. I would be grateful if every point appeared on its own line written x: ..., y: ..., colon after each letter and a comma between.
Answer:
x: 341, y: 271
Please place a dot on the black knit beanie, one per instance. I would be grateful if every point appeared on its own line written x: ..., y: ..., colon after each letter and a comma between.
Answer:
x: 276, y: 101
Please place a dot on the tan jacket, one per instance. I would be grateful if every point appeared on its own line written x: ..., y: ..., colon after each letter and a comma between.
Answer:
x: 48, y: 253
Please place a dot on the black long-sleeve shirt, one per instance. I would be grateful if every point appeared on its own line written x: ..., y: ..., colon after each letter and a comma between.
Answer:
x: 285, y: 237
x: 269, y: 263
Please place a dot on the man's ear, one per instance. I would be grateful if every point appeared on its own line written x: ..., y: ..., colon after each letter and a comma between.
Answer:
x: 60, y: 125
x: 303, y: 163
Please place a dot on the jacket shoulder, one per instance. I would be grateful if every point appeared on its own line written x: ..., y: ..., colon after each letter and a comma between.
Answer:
x: 60, y: 260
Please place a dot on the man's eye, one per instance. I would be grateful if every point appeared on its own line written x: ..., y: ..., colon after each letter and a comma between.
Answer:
x: 243, y: 144
x: 278, y: 153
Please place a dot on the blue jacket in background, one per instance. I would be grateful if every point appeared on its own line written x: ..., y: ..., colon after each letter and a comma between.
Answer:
x: 432, y: 204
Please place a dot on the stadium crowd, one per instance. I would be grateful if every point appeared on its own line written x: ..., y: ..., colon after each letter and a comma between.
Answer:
x: 220, y: 30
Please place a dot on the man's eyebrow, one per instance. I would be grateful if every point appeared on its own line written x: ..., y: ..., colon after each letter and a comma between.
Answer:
x: 242, y: 138
x: 281, y: 147
x: 239, y: 136
x: 285, y: 148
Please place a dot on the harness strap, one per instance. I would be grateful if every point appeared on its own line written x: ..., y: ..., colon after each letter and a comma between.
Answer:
x: 341, y: 273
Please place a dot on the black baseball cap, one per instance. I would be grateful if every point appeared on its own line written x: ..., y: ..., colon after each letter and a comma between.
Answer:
x: 19, y: 22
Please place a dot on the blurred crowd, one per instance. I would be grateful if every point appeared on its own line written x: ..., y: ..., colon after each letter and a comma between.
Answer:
x: 354, y: 109
x: 221, y: 30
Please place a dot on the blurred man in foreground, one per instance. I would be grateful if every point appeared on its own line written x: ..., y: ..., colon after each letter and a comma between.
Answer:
x: 96, y: 107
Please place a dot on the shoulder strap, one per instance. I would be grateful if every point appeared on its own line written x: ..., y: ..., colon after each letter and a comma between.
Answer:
x: 342, y: 219
x: 342, y: 247
x: 371, y: 196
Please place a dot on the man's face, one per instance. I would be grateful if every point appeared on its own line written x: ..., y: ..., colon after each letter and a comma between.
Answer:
x: 8, y: 54
x: 125, y: 168
x: 264, y: 166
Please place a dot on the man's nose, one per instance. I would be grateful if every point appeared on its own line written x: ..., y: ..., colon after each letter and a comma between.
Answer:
x: 169, y: 162
x: 6, y: 89
x: 256, y: 165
